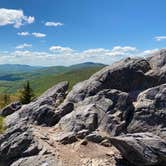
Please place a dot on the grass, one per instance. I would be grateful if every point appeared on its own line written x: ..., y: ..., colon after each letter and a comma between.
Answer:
x: 1, y: 125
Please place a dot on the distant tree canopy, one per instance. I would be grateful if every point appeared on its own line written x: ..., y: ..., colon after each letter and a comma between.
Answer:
x: 27, y: 94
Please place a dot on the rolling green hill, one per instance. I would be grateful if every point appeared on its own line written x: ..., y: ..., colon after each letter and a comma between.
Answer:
x: 16, y: 68
x: 43, y: 83
x: 43, y: 78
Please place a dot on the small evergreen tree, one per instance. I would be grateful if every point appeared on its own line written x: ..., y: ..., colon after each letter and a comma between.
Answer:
x: 5, y: 100
x: 27, y: 94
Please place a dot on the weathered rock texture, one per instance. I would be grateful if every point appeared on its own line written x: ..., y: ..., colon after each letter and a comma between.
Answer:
x: 142, y: 149
x: 78, y: 128
x: 150, y: 111
x: 17, y: 142
x: 42, y: 111
x: 108, y: 111
x: 127, y: 75
x: 10, y: 109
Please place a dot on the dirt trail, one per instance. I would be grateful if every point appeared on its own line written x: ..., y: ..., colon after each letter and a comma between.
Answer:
x: 77, y: 154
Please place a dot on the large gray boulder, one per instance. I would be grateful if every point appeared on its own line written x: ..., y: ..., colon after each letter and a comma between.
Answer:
x: 158, y: 60
x: 150, y: 111
x: 126, y: 75
x: 142, y: 149
x: 42, y: 110
x: 130, y: 75
x: 17, y: 142
x: 10, y: 109
x: 109, y: 111
x: 158, y: 67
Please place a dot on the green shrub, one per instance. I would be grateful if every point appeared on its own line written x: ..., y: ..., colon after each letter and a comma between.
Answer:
x: 1, y: 125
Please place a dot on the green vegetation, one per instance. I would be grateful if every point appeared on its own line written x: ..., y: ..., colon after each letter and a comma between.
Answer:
x: 27, y: 94
x: 6, y: 99
x: 48, y: 77
x: 43, y: 83
x: 1, y: 125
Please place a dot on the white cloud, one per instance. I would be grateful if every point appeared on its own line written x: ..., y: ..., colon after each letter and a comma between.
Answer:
x: 38, y: 35
x: 22, y: 46
x: 53, y: 24
x: 23, y: 33
x: 35, y: 34
x: 59, y: 55
x: 96, y: 51
x: 115, y: 51
x: 14, y: 17
x: 59, y: 49
x: 148, y: 52
x: 160, y: 38
x: 30, y: 19
x: 124, y: 49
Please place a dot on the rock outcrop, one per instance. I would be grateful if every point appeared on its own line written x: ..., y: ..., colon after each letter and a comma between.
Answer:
x: 17, y: 142
x: 127, y: 75
x: 150, y: 111
x: 117, y: 105
x: 42, y: 110
x: 142, y: 149
x: 108, y: 111
x: 10, y: 109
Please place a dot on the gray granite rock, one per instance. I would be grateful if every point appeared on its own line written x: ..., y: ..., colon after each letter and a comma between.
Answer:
x: 126, y: 75
x: 108, y: 111
x: 17, y: 142
x: 150, y: 111
x: 42, y: 110
x: 38, y: 160
x: 142, y: 149
x: 10, y: 109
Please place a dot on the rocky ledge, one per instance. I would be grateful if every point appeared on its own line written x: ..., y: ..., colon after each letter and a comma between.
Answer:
x: 117, y: 117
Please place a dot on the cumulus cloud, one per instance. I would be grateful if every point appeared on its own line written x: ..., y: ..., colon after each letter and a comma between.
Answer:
x: 38, y: 35
x: 30, y: 19
x: 149, y: 52
x: 115, y: 51
x: 35, y: 34
x: 59, y: 49
x: 124, y: 49
x: 96, y: 51
x: 53, y: 24
x: 160, y: 38
x: 23, y: 33
x: 14, y: 17
x: 22, y: 46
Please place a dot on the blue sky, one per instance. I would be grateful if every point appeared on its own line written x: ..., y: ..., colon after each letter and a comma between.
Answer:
x: 64, y: 32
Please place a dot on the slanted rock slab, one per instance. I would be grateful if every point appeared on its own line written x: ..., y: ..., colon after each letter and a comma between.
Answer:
x: 142, y: 149
x: 10, y: 109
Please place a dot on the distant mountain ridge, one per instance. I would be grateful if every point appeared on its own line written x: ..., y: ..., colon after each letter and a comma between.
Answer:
x: 19, y: 68
x: 13, y: 72
x: 15, y: 76
x: 13, y: 68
